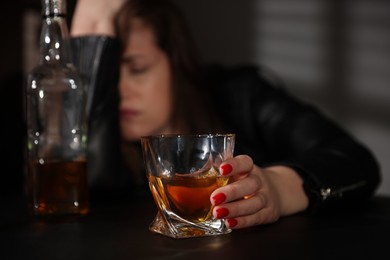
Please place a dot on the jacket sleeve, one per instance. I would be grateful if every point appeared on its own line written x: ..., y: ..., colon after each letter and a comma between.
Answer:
x: 96, y: 57
x: 275, y: 128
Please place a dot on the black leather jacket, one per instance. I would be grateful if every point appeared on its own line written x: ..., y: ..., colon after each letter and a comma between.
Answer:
x: 270, y: 125
x: 275, y: 128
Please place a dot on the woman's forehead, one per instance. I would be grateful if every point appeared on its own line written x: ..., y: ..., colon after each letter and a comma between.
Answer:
x: 141, y: 36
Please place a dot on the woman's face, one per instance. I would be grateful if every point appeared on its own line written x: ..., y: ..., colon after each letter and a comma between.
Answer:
x: 144, y: 86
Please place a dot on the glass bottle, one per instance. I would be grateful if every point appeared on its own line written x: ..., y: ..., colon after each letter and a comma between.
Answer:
x: 56, y: 123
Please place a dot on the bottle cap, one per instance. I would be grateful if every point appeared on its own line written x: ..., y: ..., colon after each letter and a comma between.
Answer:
x: 53, y: 8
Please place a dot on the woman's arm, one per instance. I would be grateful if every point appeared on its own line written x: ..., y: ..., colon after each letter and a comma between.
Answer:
x: 95, y: 17
x: 96, y: 54
x: 296, y: 149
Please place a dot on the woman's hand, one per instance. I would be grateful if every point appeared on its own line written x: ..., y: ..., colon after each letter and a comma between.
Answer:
x: 95, y: 17
x: 257, y: 195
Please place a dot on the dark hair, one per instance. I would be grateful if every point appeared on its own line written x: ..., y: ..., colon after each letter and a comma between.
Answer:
x: 173, y: 37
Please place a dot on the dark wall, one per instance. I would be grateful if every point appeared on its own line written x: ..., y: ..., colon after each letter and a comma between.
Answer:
x: 11, y: 81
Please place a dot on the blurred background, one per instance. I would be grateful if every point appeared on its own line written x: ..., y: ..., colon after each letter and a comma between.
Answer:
x: 333, y: 53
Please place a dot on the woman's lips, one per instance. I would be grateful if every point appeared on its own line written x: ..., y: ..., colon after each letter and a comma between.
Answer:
x: 128, y: 113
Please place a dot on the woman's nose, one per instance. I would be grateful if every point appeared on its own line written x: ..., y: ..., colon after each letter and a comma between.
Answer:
x: 125, y: 87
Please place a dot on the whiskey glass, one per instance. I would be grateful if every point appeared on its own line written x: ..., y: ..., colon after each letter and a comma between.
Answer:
x: 183, y: 171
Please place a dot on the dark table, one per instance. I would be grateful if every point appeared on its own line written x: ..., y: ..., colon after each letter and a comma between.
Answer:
x: 120, y: 231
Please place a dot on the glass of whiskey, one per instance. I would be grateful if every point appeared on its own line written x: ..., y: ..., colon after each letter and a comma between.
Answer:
x: 183, y: 171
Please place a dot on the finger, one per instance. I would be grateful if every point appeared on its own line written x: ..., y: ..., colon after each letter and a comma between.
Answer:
x: 261, y: 217
x: 240, y: 208
x: 241, y: 164
x: 236, y: 190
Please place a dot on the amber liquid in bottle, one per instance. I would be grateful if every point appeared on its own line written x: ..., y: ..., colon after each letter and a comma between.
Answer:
x: 60, y: 187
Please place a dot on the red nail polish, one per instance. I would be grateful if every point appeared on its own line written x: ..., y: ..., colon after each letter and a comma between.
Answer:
x: 218, y: 198
x: 222, y: 212
x: 232, y: 222
x: 226, y: 169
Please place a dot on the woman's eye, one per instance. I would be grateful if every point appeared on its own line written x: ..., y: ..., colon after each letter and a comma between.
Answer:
x: 138, y: 70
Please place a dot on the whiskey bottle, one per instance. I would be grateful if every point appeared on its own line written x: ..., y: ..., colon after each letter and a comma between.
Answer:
x: 56, y: 181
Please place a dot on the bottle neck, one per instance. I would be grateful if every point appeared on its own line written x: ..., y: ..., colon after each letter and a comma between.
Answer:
x: 54, y: 41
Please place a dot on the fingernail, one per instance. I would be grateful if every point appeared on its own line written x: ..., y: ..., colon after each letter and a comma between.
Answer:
x: 232, y: 222
x: 222, y: 212
x: 218, y: 198
x: 226, y: 169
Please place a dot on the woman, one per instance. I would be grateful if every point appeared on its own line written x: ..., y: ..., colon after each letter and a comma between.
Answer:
x: 291, y: 158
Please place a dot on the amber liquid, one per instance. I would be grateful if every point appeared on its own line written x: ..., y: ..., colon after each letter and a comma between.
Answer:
x: 58, y: 188
x: 186, y: 196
